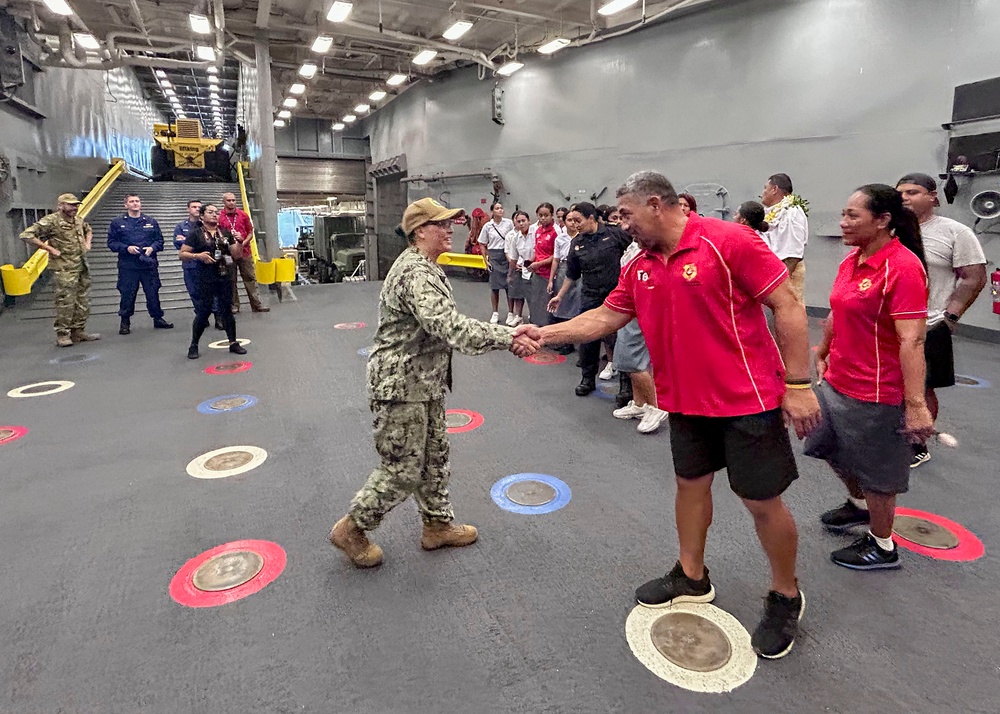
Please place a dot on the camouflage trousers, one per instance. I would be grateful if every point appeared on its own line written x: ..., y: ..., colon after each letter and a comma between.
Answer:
x: 412, y: 439
x: 72, y: 299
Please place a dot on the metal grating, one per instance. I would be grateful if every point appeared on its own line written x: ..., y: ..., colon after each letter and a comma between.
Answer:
x: 188, y: 129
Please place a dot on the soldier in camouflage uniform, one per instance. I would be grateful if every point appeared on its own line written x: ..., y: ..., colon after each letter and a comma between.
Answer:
x: 409, y: 369
x: 67, y: 240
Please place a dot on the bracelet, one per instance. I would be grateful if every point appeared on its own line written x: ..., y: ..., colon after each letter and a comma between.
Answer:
x: 798, y: 381
x: 807, y: 385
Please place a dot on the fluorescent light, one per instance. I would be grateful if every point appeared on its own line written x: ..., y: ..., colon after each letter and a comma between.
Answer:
x: 86, y: 41
x: 213, y: 70
x: 308, y: 70
x: 279, y: 123
x: 200, y: 24
x: 215, y: 102
x: 339, y: 11
x: 363, y: 108
x: 181, y: 115
x: 322, y: 44
x: 212, y: 79
x: 165, y: 83
x: 350, y: 119
x: 424, y: 57
x: 396, y: 80
x: 377, y: 96
x: 290, y: 102
x: 297, y: 88
x: 339, y: 126
x: 615, y: 6
x: 284, y: 114
x: 510, y: 67
x: 213, y: 93
x: 206, y: 53
x: 160, y: 73
x: 170, y: 92
x: 553, y: 46
x: 59, y: 7
x: 457, y: 30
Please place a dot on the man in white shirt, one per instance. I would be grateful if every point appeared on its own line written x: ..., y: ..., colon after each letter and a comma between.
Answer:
x: 492, y: 237
x: 956, y: 271
x: 788, y: 228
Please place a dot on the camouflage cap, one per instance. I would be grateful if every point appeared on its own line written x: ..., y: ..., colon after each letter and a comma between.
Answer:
x: 424, y: 211
x: 67, y: 198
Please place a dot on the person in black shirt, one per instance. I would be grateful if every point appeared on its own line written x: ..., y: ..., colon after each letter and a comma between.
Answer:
x: 215, y: 249
x: 594, y: 259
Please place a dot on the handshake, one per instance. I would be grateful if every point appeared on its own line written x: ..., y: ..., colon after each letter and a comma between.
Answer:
x: 528, y: 339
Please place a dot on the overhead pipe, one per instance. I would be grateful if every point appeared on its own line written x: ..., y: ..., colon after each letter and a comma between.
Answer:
x: 474, y: 55
x: 219, y: 13
x: 488, y: 173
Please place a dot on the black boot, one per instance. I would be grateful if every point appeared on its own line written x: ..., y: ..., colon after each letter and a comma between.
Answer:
x: 624, y: 390
x: 193, y: 352
x: 585, y: 387
x: 237, y: 349
x: 160, y: 324
x: 125, y: 328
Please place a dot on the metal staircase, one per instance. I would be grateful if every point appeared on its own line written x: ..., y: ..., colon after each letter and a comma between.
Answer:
x: 167, y: 203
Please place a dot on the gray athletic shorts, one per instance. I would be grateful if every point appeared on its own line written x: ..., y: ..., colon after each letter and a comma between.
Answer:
x: 500, y: 266
x: 631, y: 355
x: 863, y: 440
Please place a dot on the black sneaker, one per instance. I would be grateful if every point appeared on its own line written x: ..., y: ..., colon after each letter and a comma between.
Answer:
x: 237, y: 349
x: 673, y: 587
x: 193, y: 352
x: 160, y: 324
x: 775, y: 634
x: 585, y: 387
x: 920, y: 456
x: 124, y: 328
x: 845, y: 517
x: 865, y: 554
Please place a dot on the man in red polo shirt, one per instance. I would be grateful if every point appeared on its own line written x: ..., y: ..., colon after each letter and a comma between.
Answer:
x: 237, y: 222
x: 697, y: 289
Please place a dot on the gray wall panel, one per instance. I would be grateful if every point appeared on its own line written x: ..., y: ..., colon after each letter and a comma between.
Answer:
x: 327, y: 177
x: 834, y: 92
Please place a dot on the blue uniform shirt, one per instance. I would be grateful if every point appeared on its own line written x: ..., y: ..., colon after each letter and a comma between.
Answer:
x: 142, y: 232
x: 181, y: 231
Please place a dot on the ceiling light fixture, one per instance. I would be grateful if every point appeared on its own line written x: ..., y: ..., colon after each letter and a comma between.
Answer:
x: 205, y: 53
x: 350, y: 119
x: 322, y: 44
x: 290, y: 102
x: 170, y: 92
x: 215, y: 103
x: 308, y: 70
x: 457, y: 30
x: 615, y: 6
x: 212, y: 79
x: 363, y: 108
x: 59, y: 7
x: 297, y: 88
x: 200, y: 24
x: 213, y: 70
x: 424, y: 57
x: 160, y: 73
x: 165, y: 83
x: 377, y: 96
x: 553, y: 46
x: 339, y: 11
x: 396, y: 80
x: 510, y: 67
x: 86, y: 41
x: 284, y: 114
x: 339, y: 126
x: 279, y: 123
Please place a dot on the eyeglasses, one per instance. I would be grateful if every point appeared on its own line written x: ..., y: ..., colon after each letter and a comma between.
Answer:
x: 447, y: 223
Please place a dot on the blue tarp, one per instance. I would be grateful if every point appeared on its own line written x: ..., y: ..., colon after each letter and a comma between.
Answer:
x: 288, y: 227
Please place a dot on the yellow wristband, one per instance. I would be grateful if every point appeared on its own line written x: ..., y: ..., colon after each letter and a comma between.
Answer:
x: 798, y: 386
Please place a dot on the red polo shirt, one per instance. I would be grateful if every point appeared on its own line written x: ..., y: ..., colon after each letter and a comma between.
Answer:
x: 545, y: 246
x: 237, y: 222
x: 700, y: 311
x: 868, y: 297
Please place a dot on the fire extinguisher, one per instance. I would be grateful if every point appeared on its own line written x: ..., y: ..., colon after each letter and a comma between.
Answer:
x: 995, y: 279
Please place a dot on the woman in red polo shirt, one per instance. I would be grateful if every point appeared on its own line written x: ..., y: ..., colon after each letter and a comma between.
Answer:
x: 871, y: 364
x: 541, y: 265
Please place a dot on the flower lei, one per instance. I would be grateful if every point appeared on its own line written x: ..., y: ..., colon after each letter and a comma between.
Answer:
x: 788, y: 201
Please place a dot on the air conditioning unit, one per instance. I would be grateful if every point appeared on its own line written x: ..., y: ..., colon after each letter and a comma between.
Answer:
x: 986, y: 205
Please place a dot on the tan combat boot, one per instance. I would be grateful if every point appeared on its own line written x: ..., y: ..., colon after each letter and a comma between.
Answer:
x: 81, y: 336
x: 441, y: 535
x: 64, y: 340
x: 352, y: 540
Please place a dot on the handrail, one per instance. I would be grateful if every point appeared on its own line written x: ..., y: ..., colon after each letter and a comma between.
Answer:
x: 276, y: 270
x: 19, y: 281
x: 246, y: 209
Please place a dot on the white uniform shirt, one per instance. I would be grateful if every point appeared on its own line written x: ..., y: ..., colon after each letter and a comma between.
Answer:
x: 788, y: 232
x: 520, y: 247
x: 561, y: 251
x: 492, y: 234
x: 948, y: 245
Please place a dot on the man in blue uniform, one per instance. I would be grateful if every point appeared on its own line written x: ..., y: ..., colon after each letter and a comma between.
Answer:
x: 181, y: 232
x: 136, y: 238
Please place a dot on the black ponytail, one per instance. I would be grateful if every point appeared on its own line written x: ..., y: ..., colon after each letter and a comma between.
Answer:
x: 753, y: 214
x: 903, y: 223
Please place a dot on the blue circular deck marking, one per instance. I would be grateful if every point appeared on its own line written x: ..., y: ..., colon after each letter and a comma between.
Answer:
x: 207, y: 408
x: 606, y: 390
x: 73, y: 359
x: 499, y: 494
x: 365, y: 351
x: 965, y: 380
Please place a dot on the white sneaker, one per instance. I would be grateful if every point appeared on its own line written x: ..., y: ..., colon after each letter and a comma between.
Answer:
x: 609, y: 372
x: 651, y: 420
x: 509, y: 322
x: 495, y: 318
x: 516, y: 321
x: 630, y: 411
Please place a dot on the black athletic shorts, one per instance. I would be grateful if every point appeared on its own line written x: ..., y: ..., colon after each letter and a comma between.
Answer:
x: 940, y: 357
x: 754, y: 449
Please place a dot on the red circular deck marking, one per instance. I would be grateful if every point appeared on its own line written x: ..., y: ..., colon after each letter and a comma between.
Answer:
x: 19, y: 431
x: 182, y: 588
x: 348, y: 325
x: 476, y: 417
x: 545, y: 357
x: 969, y: 546
x: 228, y: 368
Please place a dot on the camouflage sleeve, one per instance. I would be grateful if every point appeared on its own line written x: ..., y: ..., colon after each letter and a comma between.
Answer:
x: 436, y: 312
x: 40, y: 231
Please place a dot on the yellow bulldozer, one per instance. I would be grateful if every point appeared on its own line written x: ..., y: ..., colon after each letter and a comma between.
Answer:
x: 181, y: 153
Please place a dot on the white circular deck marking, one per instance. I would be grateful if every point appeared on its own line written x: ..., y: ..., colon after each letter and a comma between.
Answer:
x: 55, y: 387
x: 228, y: 461
x: 736, y: 671
x: 224, y: 344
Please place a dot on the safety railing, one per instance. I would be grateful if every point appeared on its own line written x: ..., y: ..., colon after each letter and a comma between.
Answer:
x: 19, y: 281
x: 276, y: 270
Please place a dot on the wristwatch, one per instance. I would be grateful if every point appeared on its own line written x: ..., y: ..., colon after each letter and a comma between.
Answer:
x: 951, y: 317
